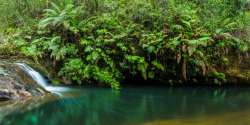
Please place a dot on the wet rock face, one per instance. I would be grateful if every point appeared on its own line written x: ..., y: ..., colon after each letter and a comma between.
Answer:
x: 15, y: 83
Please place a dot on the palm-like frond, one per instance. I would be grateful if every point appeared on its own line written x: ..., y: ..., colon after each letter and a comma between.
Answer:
x: 44, y: 23
x: 83, y: 23
x: 56, y: 7
x: 50, y: 13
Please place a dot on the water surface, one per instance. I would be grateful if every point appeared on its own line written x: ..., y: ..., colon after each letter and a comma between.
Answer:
x: 150, y: 105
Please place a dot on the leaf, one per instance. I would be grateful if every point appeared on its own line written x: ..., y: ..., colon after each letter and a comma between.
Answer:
x: 178, y: 58
x: 187, y: 24
x: 216, y: 81
x: 144, y: 74
x: 55, y: 6
x: 84, y: 22
x: 178, y: 37
x: 63, y: 52
x: 203, y: 67
x: 141, y: 60
x: 44, y: 23
x: 176, y: 42
x: 57, y: 20
x: 55, y: 39
x: 191, y: 49
x: 142, y: 67
x: 95, y: 55
x: 151, y: 49
x: 144, y: 46
x: 178, y: 27
x: 184, y: 69
x: 194, y: 42
x: 201, y: 54
x: 68, y: 7
x: 89, y: 49
x: 184, y: 48
x: 66, y: 24
x: 158, y: 65
x: 74, y: 77
x: 151, y: 75
x: 51, y: 11
x: 89, y: 57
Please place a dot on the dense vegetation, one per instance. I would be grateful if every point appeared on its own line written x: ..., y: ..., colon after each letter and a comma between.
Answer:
x: 104, y: 41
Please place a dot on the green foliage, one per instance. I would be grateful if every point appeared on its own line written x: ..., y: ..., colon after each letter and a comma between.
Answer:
x: 219, y: 78
x: 95, y: 41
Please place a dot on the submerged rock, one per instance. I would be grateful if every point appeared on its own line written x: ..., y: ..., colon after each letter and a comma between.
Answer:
x: 15, y: 83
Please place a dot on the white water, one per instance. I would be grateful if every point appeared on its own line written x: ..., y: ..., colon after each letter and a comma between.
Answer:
x: 41, y: 81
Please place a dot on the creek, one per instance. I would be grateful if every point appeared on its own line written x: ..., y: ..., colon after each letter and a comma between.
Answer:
x: 142, y: 105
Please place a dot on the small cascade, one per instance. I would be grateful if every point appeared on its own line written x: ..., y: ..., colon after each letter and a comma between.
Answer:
x: 40, y: 80
x: 35, y: 75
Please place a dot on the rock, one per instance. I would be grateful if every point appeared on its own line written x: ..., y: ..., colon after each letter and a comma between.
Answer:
x: 16, y: 83
x: 27, y: 88
x: 18, y: 88
x: 6, y: 94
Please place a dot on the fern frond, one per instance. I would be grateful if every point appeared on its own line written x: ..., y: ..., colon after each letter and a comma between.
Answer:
x: 178, y: 27
x: 55, y: 6
x: 63, y: 52
x: 203, y: 67
x: 225, y: 22
x: 89, y: 48
x: 187, y: 24
x: 57, y: 20
x: 68, y: 8
x: 44, y: 23
x: 151, y: 49
x: 50, y: 13
x: 95, y: 55
x: 55, y: 39
x: 178, y: 37
x: 230, y: 25
x: 54, y: 48
x: 158, y: 65
x: 176, y: 42
x: 83, y: 23
x: 191, y: 49
x: 66, y: 24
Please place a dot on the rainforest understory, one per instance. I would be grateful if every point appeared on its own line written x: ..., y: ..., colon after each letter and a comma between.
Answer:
x: 104, y: 42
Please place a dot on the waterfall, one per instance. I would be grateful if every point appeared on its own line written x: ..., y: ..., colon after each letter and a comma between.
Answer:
x: 40, y: 80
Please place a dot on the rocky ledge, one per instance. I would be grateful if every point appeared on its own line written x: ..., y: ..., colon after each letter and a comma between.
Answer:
x: 16, y: 83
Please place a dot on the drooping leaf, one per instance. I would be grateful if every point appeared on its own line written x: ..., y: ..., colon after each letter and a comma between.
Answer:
x: 184, y: 69
x: 203, y: 67
x: 178, y: 58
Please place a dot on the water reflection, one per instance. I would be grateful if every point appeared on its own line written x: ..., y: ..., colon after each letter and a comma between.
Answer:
x: 135, y: 105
